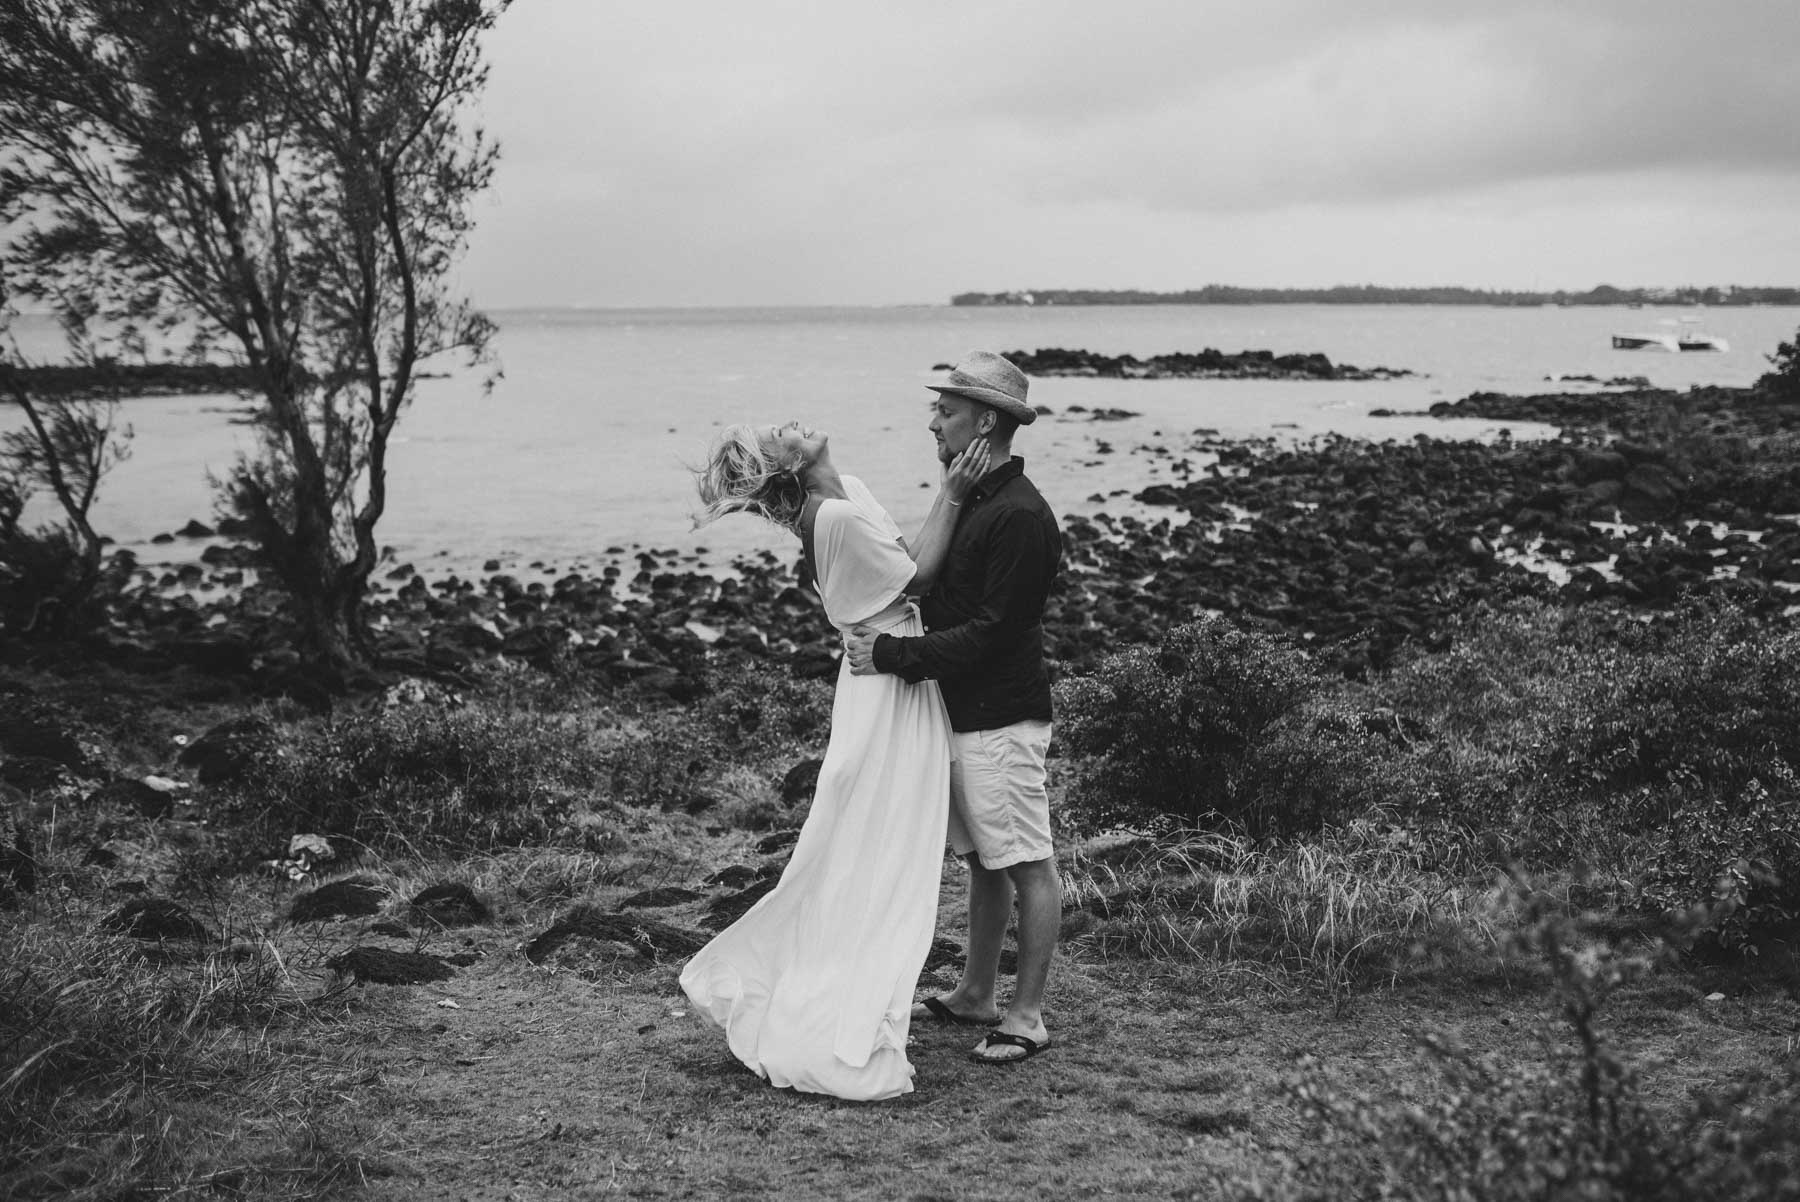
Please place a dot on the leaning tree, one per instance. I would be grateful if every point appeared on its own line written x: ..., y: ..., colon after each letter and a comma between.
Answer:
x: 284, y: 183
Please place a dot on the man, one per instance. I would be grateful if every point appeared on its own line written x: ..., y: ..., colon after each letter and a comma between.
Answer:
x: 985, y: 647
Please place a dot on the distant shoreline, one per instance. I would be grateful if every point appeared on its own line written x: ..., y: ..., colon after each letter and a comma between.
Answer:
x: 1731, y: 296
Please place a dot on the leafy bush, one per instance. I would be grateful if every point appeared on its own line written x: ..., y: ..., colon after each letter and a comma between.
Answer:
x: 761, y: 705
x: 1713, y: 703
x: 500, y: 771
x: 1213, y: 723
x: 429, y: 776
x: 1784, y: 382
x: 1735, y: 867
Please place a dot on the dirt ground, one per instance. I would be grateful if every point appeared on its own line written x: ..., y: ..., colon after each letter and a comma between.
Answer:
x: 591, y: 1077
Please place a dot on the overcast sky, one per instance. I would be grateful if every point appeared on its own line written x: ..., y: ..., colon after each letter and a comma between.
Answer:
x: 732, y: 152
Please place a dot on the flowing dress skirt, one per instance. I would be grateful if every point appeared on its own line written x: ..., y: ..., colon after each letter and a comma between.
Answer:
x: 814, y: 984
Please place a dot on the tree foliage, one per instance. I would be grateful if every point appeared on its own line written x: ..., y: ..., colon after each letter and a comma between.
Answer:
x: 1784, y: 381
x: 52, y: 575
x: 285, y: 183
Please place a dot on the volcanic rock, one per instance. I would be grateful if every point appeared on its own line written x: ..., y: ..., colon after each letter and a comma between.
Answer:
x: 383, y: 966
x: 348, y: 898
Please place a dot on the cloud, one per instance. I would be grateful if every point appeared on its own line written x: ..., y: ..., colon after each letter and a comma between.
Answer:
x: 836, y: 152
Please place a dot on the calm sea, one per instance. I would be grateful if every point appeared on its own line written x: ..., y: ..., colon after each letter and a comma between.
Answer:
x: 583, y: 445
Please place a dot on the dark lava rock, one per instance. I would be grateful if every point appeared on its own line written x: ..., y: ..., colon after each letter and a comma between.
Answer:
x: 450, y: 904
x: 1209, y: 363
x: 734, y: 876
x: 127, y: 793
x: 348, y: 898
x: 220, y: 655
x: 30, y: 731
x: 662, y: 895
x: 947, y: 953
x: 539, y: 646
x: 154, y: 918
x: 382, y: 966
x: 777, y: 841
x: 32, y: 772
x: 800, y: 782
x: 229, y: 751
x: 649, y: 939
x: 721, y: 912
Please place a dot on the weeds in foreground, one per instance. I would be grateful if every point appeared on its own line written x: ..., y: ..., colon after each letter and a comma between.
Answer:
x: 1359, y: 903
x: 128, y: 1070
x: 1571, y: 1126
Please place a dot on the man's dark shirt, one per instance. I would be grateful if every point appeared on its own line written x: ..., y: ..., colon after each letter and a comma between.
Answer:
x: 985, y: 643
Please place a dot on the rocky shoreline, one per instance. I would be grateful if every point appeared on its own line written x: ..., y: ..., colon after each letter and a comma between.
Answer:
x: 1355, y: 547
x: 1208, y: 364
x: 107, y: 380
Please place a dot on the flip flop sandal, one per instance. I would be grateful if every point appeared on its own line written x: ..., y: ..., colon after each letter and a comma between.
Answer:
x: 937, y: 1009
x: 1032, y: 1047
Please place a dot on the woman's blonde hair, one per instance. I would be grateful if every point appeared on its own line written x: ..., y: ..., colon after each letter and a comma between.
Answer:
x: 741, y: 477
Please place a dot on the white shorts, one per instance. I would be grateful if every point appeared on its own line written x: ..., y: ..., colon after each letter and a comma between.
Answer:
x: 999, y: 808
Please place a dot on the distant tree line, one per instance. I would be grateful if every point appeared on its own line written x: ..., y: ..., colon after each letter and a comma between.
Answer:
x: 1370, y: 294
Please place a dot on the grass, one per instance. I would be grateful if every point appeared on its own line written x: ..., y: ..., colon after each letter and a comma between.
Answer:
x: 132, y: 1068
x: 1205, y: 979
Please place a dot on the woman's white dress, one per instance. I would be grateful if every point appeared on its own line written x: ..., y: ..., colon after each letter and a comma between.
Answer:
x: 814, y: 984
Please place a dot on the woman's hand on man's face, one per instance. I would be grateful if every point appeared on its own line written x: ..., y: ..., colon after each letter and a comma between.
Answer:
x: 966, y: 469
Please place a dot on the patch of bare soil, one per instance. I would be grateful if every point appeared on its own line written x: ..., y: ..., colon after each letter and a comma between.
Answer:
x: 586, y: 1075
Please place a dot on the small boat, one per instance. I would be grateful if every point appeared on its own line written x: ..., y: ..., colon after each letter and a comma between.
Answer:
x: 1686, y: 339
x: 1645, y: 342
x: 1700, y: 340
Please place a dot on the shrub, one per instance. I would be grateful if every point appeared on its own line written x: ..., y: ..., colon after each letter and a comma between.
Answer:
x: 1734, y: 867
x: 1784, y: 382
x: 429, y: 776
x: 1212, y: 723
x: 1712, y: 704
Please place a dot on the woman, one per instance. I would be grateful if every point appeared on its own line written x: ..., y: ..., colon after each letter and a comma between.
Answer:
x: 814, y: 984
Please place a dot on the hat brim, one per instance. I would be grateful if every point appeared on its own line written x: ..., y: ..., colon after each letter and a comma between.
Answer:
x: 1011, y: 406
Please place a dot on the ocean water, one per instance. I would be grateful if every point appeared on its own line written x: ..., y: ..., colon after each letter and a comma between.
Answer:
x: 582, y: 447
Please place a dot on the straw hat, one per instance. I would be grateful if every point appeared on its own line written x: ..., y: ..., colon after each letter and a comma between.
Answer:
x: 993, y: 380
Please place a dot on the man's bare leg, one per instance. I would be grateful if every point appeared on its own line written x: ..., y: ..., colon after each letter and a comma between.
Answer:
x: 990, y: 906
x: 1039, y: 892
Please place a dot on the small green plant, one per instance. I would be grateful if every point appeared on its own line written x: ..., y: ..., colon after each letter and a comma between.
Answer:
x: 1712, y: 704
x: 429, y: 776
x: 1214, y: 723
x: 1734, y: 868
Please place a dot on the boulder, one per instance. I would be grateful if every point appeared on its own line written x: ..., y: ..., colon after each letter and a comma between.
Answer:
x: 721, y: 912
x: 349, y: 898
x: 139, y: 797
x: 449, y: 904
x: 1651, y: 490
x: 32, y: 772
x: 658, y: 897
x: 155, y: 918
x: 649, y: 939
x: 800, y: 781
x: 30, y: 729
x: 383, y: 966
x: 229, y: 751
